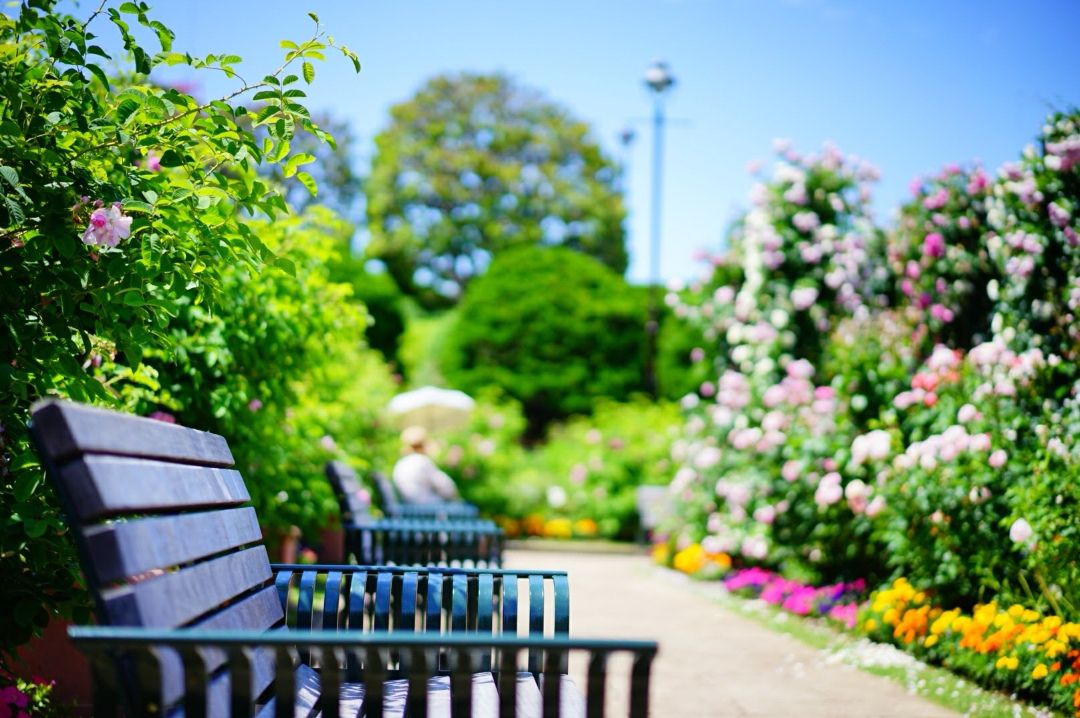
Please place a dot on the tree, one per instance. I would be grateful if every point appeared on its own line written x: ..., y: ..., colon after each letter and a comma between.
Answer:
x: 473, y: 164
x: 552, y: 329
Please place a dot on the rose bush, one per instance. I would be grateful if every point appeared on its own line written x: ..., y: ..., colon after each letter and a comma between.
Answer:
x: 919, y: 419
x: 126, y: 221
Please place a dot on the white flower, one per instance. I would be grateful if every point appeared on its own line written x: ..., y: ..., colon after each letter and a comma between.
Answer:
x: 1020, y: 531
x: 556, y: 497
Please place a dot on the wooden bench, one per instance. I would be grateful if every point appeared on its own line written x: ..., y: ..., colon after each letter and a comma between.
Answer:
x: 438, y: 536
x: 195, y: 620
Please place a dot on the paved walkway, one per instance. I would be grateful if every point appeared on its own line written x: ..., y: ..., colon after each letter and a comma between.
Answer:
x: 713, y: 662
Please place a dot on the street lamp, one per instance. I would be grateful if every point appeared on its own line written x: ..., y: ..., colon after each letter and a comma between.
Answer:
x: 659, y: 80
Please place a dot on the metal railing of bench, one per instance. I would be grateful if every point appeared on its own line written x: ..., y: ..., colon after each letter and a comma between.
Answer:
x: 424, y: 542
x: 379, y: 656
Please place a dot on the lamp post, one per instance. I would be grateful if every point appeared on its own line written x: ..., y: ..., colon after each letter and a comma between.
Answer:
x: 659, y: 80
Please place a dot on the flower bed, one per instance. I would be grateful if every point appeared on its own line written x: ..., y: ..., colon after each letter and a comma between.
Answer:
x: 897, y: 401
x: 1012, y: 648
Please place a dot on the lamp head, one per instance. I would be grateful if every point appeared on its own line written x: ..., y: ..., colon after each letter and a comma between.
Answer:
x: 658, y: 77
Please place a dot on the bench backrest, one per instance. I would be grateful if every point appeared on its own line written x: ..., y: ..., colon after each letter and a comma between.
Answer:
x: 159, y: 518
x: 349, y: 491
x: 391, y: 504
x: 164, y: 534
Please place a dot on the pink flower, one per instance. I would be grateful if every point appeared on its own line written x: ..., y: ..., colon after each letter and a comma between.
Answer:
x: 998, y: 458
x: 152, y: 162
x: 327, y: 442
x: 942, y: 313
x: 697, y: 354
x: 937, y: 200
x: 107, y: 227
x: 934, y: 245
x: 163, y: 416
x: 707, y: 389
x: 876, y: 506
x: 791, y: 470
x: 255, y: 405
x: 978, y: 182
x: 804, y: 297
x: 1020, y: 531
x: 967, y: 413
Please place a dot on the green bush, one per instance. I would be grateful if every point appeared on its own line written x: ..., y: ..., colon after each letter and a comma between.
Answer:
x: 122, y: 209
x: 383, y: 300
x: 581, y: 482
x: 553, y: 329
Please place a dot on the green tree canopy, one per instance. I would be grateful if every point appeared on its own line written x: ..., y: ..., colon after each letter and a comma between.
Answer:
x: 552, y: 329
x: 473, y: 164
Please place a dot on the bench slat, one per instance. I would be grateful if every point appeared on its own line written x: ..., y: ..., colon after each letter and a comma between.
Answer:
x: 104, y: 486
x: 175, y: 599
x: 64, y: 430
x: 124, y: 549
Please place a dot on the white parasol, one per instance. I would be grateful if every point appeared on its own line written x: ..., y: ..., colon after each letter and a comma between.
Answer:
x: 433, y: 408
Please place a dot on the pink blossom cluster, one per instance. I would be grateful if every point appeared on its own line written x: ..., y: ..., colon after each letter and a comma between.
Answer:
x: 946, y: 447
x: 1063, y: 155
x: 838, y: 601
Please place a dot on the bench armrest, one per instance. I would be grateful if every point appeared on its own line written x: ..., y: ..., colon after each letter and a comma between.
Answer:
x: 370, y: 658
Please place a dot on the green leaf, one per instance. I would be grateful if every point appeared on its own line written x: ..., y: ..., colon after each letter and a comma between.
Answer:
x: 286, y: 265
x: 10, y: 176
x: 280, y: 151
x: 129, y: 7
x: 314, y: 17
x: 170, y: 158
x: 309, y: 182
x: 296, y: 161
x: 309, y: 72
x: 134, y: 205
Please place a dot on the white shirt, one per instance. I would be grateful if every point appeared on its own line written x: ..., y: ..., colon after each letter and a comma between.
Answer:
x: 419, y: 481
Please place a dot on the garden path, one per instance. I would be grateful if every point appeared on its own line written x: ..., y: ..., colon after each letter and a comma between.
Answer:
x: 712, y: 662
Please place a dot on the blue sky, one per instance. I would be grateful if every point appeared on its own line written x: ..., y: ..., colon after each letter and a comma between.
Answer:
x: 909, y: 86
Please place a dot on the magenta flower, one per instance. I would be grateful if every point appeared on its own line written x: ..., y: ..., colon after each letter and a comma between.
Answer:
x: 163, y: 416
x: 107, y: 227
x: 934, y: 245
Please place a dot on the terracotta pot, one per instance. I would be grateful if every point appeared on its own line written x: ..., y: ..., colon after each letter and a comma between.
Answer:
x: 333, y: 545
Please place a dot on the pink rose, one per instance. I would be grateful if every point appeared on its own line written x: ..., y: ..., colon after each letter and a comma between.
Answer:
x: 998, y: 458
x: 934, y: 245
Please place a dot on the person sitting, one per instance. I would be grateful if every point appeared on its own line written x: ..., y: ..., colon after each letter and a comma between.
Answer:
x: 416, y: 477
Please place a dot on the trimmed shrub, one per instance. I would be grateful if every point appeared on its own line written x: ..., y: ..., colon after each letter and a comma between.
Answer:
x: 551, y: 328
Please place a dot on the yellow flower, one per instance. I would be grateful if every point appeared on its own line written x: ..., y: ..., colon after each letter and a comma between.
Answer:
x: 930, y: 641
x: 721, y: 559
x: 870, y: 625
x: 691, y: 559
x: 1008, y: 662
x: 1016, y: 610
x: 1039, y: 672
x: 890, y: 616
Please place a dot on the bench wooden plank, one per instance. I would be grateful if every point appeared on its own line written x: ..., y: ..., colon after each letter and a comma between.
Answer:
x: 123, y: 549
x: 347, y: 488
x: 178, y: 598
x: 63, y: 430
x: 104, y: 486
